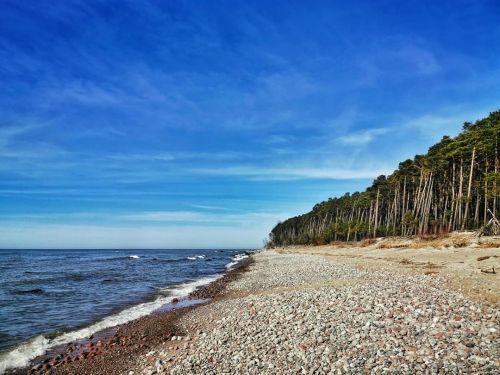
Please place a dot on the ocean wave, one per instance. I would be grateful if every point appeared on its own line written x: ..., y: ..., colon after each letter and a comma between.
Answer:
x: 183, y: 289
x: 236, y: 259
x: 22, y: 354
x: 196, y: 257
x: 25, y: 352
x: 118, y: 257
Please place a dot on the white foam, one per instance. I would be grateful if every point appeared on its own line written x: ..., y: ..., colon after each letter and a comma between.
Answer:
x: 25, y: 352
x: 236, y: 259
x: 22, y: 354
x: 196, y: 257
x: 133, y: 257
x: 182, y: 290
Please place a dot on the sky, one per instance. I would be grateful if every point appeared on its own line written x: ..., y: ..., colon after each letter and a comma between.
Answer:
x: 201, y: 124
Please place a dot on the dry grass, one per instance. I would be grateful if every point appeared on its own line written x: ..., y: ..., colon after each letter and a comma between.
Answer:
x: 447, y: 242
x: 491, y: 244
x: 432, y: 237
x: 367, y: 242
x: 395, y: 243
x: 342, y: 244
x: 428, y: 241
x: 429, y: 265
x: 453, y: 240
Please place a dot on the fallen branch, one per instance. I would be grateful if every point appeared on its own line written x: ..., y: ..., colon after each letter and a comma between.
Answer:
x: 488, y: 270
x: 483, y: 258
x: 492, y: 228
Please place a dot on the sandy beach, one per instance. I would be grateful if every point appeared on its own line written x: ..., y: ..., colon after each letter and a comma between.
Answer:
x: 324, y: 310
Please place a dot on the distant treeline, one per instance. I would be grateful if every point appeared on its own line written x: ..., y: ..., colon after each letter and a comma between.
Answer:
x: 452, y: 187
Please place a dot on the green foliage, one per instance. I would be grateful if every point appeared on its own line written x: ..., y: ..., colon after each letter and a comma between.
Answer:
x: 425, y: 194
x: 409, y: 220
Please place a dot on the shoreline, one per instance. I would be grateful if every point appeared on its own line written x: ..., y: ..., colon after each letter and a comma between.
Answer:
x: 119, y: 343
x: 318, y: 310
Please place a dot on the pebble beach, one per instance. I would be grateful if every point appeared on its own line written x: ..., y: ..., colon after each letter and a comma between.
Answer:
x: 297, y: 313
x: 303, y: 314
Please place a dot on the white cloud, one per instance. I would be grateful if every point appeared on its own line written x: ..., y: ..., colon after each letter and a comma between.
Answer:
x: 165, y: 216
x: 222, y: 216
x: 209, y: 207
x: 172, y: 156
x: 217, y: 218
x: 84, y: 92
x: 362, y: 137
x: 447, y: 122
x: 291, y: 173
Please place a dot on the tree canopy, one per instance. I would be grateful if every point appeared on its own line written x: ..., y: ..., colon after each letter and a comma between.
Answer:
x: 452, y: 187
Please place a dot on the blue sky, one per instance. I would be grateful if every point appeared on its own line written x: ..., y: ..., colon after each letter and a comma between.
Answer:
x: 202, y: 123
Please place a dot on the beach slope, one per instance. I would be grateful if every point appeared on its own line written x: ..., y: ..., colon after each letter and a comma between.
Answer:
x: 299, y: 313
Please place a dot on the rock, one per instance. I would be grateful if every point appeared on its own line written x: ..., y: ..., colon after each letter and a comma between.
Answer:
x: 159, y: 365
x: 374, y: 322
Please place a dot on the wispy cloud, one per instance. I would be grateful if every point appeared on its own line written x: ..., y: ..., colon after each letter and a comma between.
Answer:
x: 362, y: 137
x: 290, y: 173
x: 175, y: 155
x: 82, y: 92
x: 210, y: 207
x: 205, y: 214
x: 166, y: 216
x: 163, y: 117
x: 446, y: 121
x: 397, y: 57
x: 200, y: 217
x: 9, y: 133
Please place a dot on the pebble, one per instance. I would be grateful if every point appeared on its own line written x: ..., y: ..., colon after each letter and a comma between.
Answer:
x: 295, y: 317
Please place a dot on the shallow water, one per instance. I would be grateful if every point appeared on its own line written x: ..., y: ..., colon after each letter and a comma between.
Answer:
x: 50, y: 297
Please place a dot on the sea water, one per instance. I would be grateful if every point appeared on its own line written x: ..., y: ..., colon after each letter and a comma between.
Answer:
x: 52, y: 297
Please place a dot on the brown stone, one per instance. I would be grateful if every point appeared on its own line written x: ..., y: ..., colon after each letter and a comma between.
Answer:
x: 439, y: 335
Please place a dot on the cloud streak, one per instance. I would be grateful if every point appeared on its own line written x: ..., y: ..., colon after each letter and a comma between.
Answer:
x: 154, y: 115
x: 291, y: 173
x: 362, y: 137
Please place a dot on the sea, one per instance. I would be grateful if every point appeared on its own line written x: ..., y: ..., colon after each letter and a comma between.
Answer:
x: 52, y: 297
